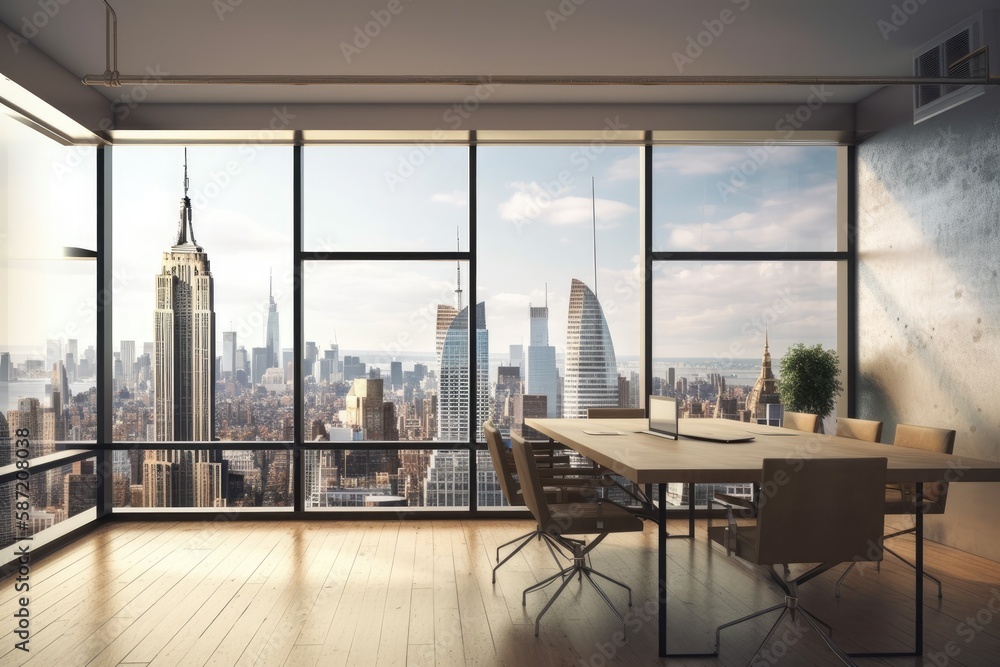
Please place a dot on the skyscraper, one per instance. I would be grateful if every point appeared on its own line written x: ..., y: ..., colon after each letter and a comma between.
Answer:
x: 184, y: 360
x: 765, y: 389
x: 271, y: 342
x: 128, y: 364
x: 258, y: 363
x: 542, y: 379
x: 183, y: 368
x: 591, y: 368
x: 228, y: 354
x: 482, y: 372
x: 454, y: 378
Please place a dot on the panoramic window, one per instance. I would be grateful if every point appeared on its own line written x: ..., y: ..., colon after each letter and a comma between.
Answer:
x: 721, y: 327
x: 383, y: 198
x: 47, y: 341
x: 558, y: 272
x: 202, y: 320
x: 744, y: 198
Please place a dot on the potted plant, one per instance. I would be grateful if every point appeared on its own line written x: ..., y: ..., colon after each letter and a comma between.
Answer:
x: 809, y: 380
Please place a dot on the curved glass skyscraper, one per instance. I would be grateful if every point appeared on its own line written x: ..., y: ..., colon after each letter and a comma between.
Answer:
x: 591, y: 368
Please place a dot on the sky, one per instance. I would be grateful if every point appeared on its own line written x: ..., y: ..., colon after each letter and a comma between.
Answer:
x: 536, y: 232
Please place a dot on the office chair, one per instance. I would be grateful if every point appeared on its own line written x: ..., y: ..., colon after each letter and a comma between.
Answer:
x: 561, y: 519
x: 902, y: 498
x: 562, y: 482
x: 859, y: 429
x: 801, y: 421
x: 798, y: 524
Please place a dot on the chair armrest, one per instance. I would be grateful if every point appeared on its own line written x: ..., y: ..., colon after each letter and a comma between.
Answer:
x: 727, y: 500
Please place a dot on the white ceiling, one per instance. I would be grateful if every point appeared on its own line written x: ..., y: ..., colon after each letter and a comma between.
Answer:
x: 482, y: 37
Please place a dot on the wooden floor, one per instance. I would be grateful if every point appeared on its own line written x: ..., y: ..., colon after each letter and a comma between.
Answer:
x: 419, y: 593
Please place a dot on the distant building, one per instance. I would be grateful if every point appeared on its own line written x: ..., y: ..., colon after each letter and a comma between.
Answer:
x: 542, y: 378
x: 183, y: 367
x: 80, y: 488
x: 765, y: 389
x: 591, y: 368
x: 184, y: 359
x: 228, y: 354
x: 364, y: 408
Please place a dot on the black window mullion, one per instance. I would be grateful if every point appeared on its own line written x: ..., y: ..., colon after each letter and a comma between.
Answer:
x: 474, y: 426
x: 298, y: 346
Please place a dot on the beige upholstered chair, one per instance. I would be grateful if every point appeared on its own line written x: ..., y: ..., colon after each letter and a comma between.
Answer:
x: 616, y: 413
x: 902, y: 498
x: 797, y: 524
x: 801, y: 421
x: 557, y: 521
x: 859, y: 429
x: 562, y: 483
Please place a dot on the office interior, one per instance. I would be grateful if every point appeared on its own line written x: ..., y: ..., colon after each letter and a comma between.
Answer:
x: 917, y: 293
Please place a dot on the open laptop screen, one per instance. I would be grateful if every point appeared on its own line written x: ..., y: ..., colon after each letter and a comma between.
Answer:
x: 663, y: 416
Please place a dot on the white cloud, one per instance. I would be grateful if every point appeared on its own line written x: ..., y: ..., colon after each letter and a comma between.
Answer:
x: 532, y: 202
x: 455, y: 198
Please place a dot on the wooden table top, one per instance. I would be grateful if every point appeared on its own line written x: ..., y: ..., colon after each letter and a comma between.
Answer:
x: 648, y: 459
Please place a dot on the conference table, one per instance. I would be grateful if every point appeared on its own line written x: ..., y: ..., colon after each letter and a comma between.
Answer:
x: 619, y: 444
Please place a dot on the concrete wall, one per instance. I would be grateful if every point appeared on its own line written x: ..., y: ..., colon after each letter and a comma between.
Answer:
x: 929, y: 296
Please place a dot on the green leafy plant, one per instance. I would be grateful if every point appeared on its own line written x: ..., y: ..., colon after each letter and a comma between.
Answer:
x: 809, y: 379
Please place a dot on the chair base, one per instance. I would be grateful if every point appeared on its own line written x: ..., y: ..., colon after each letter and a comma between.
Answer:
x: 579, y: 569
x: 789, y: 607
x: 913, y: 566
x: 527, y: 539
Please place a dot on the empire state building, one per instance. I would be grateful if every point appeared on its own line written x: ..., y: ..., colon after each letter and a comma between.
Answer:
x: 185, y: 337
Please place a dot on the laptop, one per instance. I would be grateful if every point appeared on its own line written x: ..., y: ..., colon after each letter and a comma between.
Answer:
x: 663, y: 423
x: 662, y: 417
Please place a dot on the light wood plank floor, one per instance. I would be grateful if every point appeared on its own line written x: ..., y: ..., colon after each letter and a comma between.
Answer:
x: 419, y: 593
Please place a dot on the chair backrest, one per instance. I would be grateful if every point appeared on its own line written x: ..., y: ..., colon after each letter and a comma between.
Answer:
x: 929, y: 439
x: 801, y: 421
x: 616, y: 413
x: 821, y: 510
x: 859, y: 429
x: 532, y: 490
x: 503, y: 464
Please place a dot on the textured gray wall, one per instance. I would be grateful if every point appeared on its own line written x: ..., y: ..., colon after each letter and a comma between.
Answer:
x: 929, y: 296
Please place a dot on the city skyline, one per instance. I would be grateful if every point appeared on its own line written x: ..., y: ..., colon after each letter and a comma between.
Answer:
x: 246, y: 215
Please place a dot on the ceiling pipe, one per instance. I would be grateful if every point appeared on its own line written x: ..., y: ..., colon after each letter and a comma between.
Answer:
x: 113, y: 79
x: 519, y: 80
x: 110, y: 77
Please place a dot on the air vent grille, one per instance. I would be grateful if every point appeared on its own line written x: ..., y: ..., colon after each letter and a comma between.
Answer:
x: 934, y: 58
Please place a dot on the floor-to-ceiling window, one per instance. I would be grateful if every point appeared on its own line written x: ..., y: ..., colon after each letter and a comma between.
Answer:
x: 387, y: 295
x: 749, y: 255
x: 435, y: 286
x: 47, y: 340
x: 202, y: 316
